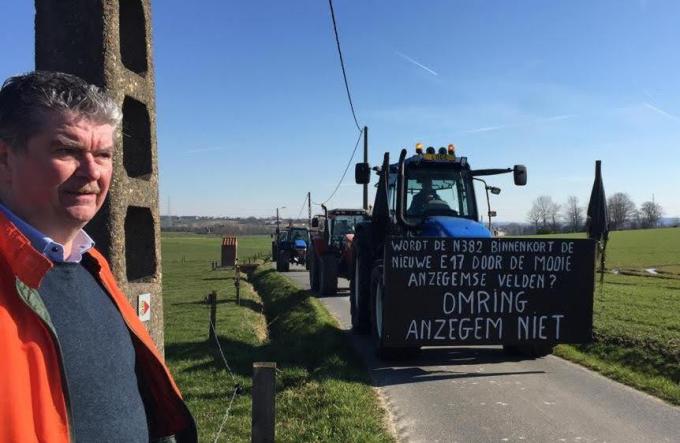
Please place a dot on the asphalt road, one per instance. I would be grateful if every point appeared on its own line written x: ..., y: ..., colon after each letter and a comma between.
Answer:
x: 475, y: 394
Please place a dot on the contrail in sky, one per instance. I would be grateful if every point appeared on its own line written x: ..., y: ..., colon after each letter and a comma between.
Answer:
x: 420, y: 65
x: 661, y: 111
x: 214, y: 148
x: 487, y: 129
x: 557, y: 117
x: 499, y: 127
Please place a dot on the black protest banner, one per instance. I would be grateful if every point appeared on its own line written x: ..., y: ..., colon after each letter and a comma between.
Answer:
x: 443, y: 291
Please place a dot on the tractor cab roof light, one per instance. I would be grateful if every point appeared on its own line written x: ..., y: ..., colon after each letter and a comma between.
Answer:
x: 419, y: 148
x: 451, y: 149
x: 430, y: 150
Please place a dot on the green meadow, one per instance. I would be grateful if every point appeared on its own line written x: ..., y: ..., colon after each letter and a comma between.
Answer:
x: 637, y: 313
x: 322, y: 391
x: 641, y: 249
x: 636, y: 327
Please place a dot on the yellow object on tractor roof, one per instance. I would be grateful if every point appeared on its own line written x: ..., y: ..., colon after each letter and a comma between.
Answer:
x: 448, y: 153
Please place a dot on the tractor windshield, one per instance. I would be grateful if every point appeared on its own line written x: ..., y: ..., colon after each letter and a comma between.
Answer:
x: 438, y: 191
x: 344, y: 224
x: 299, y: 234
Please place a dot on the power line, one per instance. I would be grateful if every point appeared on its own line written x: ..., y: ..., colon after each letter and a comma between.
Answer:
x: 346, y: 168
x: 302, y: 207
x: 342, y: 65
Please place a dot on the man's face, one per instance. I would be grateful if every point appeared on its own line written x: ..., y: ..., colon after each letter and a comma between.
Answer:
x: 60, y: 180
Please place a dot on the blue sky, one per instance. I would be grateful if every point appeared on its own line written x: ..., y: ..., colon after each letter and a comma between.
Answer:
x: 252, y: 111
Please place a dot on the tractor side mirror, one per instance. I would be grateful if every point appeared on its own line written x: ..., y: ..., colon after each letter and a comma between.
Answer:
x: 494, y: 190
x: 315, y: 222
x: 362, y: 173
x: 520, y: 175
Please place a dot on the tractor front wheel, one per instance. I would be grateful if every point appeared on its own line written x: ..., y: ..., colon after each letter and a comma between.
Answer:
x: 360, y: 292
x: 379, y: 298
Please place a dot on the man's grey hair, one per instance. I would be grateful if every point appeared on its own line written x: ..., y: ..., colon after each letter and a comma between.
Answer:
x: 27, y: 101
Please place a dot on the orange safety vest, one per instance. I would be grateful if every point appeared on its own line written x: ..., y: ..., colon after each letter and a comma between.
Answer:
x: 33, y: 403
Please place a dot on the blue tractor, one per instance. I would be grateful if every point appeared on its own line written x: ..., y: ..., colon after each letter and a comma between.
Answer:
x: 290, y: 247
x: 429, y: 194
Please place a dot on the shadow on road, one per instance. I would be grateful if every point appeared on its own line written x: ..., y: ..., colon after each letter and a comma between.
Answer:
x: 414, y: 370
x: 467, y: 355
x: 397, y: 376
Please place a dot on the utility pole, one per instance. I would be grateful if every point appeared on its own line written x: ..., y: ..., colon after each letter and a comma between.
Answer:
x: 309, y: 209
x: 366, y: 161
x: 277, y: 223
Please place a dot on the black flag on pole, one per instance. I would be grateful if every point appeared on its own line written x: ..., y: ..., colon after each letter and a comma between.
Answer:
x: 597, y: 223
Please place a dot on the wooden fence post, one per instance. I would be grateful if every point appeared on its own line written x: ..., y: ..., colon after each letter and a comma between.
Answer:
x: 212, y: 301
x: 237, y: 282
x: 263, y: 413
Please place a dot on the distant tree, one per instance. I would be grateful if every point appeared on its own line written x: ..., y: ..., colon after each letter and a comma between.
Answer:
x: 544, y: 214
x: 554, y: 213
x: 650, y: 214
x: 635, y: 220
x: 534, y: 216
x: 573, y: 214
x: 621, y: 209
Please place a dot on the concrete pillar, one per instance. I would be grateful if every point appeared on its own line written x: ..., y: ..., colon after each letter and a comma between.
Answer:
x: 108, y: 43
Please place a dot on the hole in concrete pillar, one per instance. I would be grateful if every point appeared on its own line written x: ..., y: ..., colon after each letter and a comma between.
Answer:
x: 140, y: 244
x: 133, y: 35
x: 136, y: 139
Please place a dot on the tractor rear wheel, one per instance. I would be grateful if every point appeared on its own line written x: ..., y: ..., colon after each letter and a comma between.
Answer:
x: 313, y: 261
x: 282, y: 261
x: 328, y: 284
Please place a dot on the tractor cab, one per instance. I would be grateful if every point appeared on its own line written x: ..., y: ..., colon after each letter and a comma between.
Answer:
x: 431, y: 193
x: 341, y: 223
x: 330, y: 254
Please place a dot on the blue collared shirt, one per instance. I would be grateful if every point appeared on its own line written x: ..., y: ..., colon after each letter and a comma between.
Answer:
x: 44, y: 244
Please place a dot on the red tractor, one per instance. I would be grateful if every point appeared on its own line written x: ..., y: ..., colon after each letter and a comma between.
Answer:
x: 330, y: 252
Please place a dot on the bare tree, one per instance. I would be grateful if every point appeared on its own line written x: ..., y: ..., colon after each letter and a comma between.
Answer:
x: 650, y: 214
x: 573, y: 214
x: 544, y: 214
x: 534, y: 216
x: 621, y: 208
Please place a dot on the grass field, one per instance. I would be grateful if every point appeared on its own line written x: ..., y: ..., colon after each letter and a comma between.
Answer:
x: 193, y: 360
x: 323, y: 393
x: 637, y: 317
x: 641, y: 249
